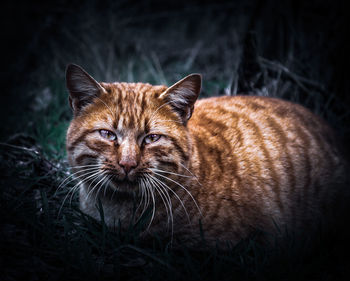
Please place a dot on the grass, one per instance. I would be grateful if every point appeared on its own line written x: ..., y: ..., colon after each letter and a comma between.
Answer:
x: 45, y: 237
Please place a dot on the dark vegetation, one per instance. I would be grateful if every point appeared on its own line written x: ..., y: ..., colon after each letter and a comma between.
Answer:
x: 294, y: 50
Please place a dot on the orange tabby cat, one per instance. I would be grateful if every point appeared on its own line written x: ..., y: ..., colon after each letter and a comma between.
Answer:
x: 231, y: 164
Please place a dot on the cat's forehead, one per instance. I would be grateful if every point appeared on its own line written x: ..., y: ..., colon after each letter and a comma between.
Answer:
x: 133, y: 89
x: 129, y: 96
x: 130, y: 105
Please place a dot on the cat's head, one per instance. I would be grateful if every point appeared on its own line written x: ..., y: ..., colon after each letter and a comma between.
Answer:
x: 123, y: 134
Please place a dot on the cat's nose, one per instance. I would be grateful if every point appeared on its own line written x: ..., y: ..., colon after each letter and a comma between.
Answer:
x: 128, y: 164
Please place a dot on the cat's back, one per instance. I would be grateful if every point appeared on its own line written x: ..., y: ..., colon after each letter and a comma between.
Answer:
x: 255, y: 108
x: 275, y: 158
x: 260, y: 118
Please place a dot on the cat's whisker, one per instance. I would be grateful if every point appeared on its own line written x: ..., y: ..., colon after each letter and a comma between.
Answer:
x: 99, y: 186
x: 76, y: 186
x: 109, y: 179
x: 73, y: 177
x: 85, y: 166
x: 154, y: 206
x: 175, y: 194
x: 144, y: 196
x: 182, y: 165
x: 184, y: 188
x: 97, y: 179
x: 167, y: 172
x: 115, y: 187
x: 89, y: 173
x: 163, y: 193
x: 91, y: 190
x: 105, y: 184
x: 150, y: 197
x: 97, y: 176
x: 141, y: 191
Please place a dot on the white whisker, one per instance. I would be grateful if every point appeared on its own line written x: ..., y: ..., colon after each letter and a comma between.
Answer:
x: 105, y: 184
x: 99, y: 175
x: 184, y: 188
x: 145, y: 197
x: 99, y: 187
x: 84, y: 166
x: 190, y: 173
x: 141, y: 192
x: 72, y: 177
x: 153, y: 205
x: 175, y: 194
x: 77, y: 185
x: 163, y: 193
x: 167, y: 172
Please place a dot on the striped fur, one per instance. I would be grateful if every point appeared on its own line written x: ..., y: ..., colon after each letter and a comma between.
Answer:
x: 238, y: 164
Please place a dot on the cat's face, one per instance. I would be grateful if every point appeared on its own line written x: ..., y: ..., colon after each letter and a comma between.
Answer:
x: 124, y: 133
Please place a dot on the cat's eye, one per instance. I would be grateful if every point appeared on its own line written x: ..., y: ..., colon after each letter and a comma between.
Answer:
x: 108, y: 135
x: 151, y: 138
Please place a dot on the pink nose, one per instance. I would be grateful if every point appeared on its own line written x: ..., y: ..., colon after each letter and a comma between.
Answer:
x: 127, y: 164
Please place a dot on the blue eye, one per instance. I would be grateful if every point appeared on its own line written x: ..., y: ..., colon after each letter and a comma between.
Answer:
x: 151, y: 138
x: 107, y: 135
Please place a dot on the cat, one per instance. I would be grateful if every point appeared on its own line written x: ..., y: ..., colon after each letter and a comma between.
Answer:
x: 218, y: 168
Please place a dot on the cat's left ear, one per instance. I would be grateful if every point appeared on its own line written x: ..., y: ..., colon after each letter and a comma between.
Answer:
x: 82, y: 87
x: 183, y: 94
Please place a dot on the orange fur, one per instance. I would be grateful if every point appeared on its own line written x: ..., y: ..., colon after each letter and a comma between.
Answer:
x: 238, y: 164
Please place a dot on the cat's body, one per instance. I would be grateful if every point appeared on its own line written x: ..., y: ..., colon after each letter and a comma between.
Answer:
x: 238, y: 165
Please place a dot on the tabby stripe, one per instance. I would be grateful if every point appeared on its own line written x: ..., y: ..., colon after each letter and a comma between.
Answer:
x: 79, y: 159
x: 132, y: 124
x: 290, y: 169
x: 97, y: 146
x: 178, y: 148
x: 168, y: 163
x: 217, y: 130
x: 80, y: 138
x: 260, y: 140
x: 143, y: 102
x: 322, y: 146
x: 307, y: 184
x: 256, y: 106
x: 204, y: 171
x: 212, y: 125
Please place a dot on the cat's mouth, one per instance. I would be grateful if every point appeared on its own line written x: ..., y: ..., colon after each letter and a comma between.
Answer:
x: 121, y: 182
x: 124, y: 185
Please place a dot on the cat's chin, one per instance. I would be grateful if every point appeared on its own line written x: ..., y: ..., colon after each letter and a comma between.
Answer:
x: 124, y: 186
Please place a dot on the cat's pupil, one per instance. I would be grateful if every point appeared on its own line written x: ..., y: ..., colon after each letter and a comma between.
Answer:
x: 107, y: 135
x: 151, y: 138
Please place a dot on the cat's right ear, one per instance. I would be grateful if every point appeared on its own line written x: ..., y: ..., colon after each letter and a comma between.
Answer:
x: 81, y: 86
x: 182, y: 95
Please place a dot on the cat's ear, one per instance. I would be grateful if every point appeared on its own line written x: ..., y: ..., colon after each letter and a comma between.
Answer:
x: 183, y: 94
x: 81, y: 86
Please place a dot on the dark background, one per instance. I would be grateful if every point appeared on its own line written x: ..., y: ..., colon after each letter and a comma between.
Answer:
x: 316, y: 31
x: 296, y: 50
